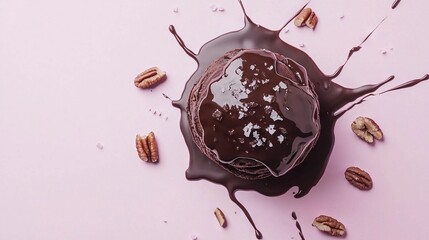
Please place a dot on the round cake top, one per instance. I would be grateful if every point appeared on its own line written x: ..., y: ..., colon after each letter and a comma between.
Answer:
x: 260, y: 108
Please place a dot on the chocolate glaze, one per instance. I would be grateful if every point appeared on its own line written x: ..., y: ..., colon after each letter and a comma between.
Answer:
x: 332, y: 97
x: 248, y: 103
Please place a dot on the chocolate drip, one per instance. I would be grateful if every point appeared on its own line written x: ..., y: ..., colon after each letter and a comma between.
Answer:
x: 294, y: 216
x: 395, y: 4
x: 355, y: 49
x: 332, y: 97
x: 258, y: 233
x: 408, y: 84
x: 182, y: 44
x: 298, y: 226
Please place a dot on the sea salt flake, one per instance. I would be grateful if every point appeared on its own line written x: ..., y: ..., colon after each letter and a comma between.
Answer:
x: 221, y: 9
x: 213, y: 8
x: 275, y: 116
x: 301, y: 45
x: 176, y: 10
x: 270, y: 129
x: 241, y: 115
x: 248, y: 129
x: 282, y: 85
x: 280, y: 138
x: 276, y: 88
x: 256, y: 135
x: 268, y: 98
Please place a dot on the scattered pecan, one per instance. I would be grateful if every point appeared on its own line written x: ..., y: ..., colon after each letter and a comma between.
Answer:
x: 302, y: 17
x: 220, y: 217
x: 329, y: 225
x: 367, y: 129
x: 312, y: 20
x: 150, y: 78
x: 306, y: 17
x: 147, y: 148
x: 358, y: 178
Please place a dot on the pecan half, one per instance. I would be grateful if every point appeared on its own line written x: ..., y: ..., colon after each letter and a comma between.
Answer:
x: 307, y: 17
x: 358, y: 178
x: 302, y: 17
x: 147, y: 148
x: 153, y: 147
x: 329, y: 225
x: 220, y: 217
x: 367, y: 129
x: 312, y: 20
x: 150, y: 78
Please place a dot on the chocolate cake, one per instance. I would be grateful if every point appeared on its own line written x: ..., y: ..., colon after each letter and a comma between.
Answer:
x: 255, y: 113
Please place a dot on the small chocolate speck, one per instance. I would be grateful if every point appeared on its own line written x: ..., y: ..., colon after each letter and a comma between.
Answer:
x: 166, y: 96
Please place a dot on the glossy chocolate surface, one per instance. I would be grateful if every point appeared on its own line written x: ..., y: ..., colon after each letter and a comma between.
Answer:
x: 260, y: 108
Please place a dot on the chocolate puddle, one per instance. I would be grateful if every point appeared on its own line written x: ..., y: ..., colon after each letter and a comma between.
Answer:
x: 332, y: 97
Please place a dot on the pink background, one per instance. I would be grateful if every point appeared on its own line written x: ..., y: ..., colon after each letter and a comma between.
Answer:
x: 66, y: 85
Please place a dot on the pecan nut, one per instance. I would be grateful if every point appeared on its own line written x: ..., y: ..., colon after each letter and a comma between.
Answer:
x: 302, y: 17
x: 220, y: 217
x: 150, y: 78
x: 147, y: 148
x: 329, y: 225
x: 367, y: 129
x: 312, y: 20
x: 307, y: 17
x: 358, y: 178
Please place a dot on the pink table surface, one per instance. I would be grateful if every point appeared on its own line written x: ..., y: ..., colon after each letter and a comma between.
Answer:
x: 66, y: 86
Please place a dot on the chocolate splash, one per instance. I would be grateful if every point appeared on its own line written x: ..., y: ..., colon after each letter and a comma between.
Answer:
x: 332, y: 98
x: 395, y: 4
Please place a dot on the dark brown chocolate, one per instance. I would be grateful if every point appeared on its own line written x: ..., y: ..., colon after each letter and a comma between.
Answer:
x: 332, y: 97
x: 254, y: 113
